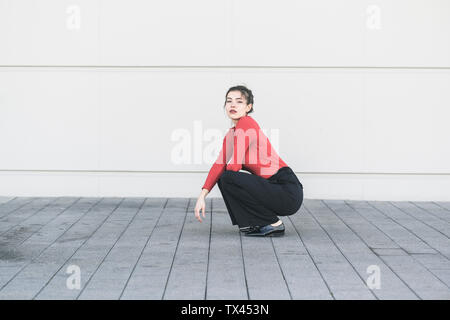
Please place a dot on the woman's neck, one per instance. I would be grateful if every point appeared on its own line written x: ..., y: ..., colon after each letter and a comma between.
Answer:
x: 235, y: 121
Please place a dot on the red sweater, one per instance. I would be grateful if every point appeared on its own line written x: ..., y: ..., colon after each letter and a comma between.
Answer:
x: 249, y: 149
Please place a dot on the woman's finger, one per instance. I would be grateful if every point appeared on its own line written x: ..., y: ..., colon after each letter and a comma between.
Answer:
x: 197, y: 215
x: 203, y: 209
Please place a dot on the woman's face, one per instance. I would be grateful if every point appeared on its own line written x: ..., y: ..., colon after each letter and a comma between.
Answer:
x: 236, y: 105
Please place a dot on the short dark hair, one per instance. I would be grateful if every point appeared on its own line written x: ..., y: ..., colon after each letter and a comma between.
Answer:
x: 246, y: 92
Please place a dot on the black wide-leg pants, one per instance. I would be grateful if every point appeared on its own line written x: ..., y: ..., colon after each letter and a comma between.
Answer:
x: 252, y: 200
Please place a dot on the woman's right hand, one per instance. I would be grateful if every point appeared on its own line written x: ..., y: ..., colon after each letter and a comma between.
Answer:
x: 200, y: 206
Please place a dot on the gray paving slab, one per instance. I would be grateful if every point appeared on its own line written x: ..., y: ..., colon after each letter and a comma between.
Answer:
x: 299, y: 270
x: 428, y: 234
x: 41, y: 259
x: 424, y: 283
x: 402, y: 236
x: 431, y: 220
x: 226, y: 272
x: 189, y: 271
x: 118, y: 263
x: 355, y: 237
x: 16, y: 221
x: 369, y: 244
x: 21, y: 248
x: 444, y: 205
x: 328, y: 257
x: 4, y: 199
x: 150, y: 276
x: 436, y: 264
x: 434, y: 209
x: 115, y: 267
x: 154, y: 248
x: 264, y: 276
x: 10, y: 206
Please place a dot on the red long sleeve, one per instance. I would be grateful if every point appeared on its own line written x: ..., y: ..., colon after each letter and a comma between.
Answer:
x: 249, y: 149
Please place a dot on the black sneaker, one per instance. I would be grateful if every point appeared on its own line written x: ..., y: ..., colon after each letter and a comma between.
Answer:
x: 267, y: 231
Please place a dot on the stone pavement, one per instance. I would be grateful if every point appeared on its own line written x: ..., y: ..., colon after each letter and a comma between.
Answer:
x: 154, y: 248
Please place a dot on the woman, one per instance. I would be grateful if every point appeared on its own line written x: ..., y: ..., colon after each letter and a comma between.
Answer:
x: 254, y: 201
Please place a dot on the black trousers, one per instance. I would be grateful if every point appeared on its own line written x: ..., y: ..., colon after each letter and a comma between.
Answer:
x: 252, y: 200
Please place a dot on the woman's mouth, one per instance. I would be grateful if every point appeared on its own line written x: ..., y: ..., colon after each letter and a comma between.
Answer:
x: 233, y: 111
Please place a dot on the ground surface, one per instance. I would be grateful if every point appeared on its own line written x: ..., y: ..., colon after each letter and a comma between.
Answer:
x: 154, y: 248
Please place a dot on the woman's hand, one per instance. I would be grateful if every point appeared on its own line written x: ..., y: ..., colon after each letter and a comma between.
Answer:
x: 200, y: 206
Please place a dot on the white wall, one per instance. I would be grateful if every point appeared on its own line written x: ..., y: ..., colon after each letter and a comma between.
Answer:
x: 355, y: 93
